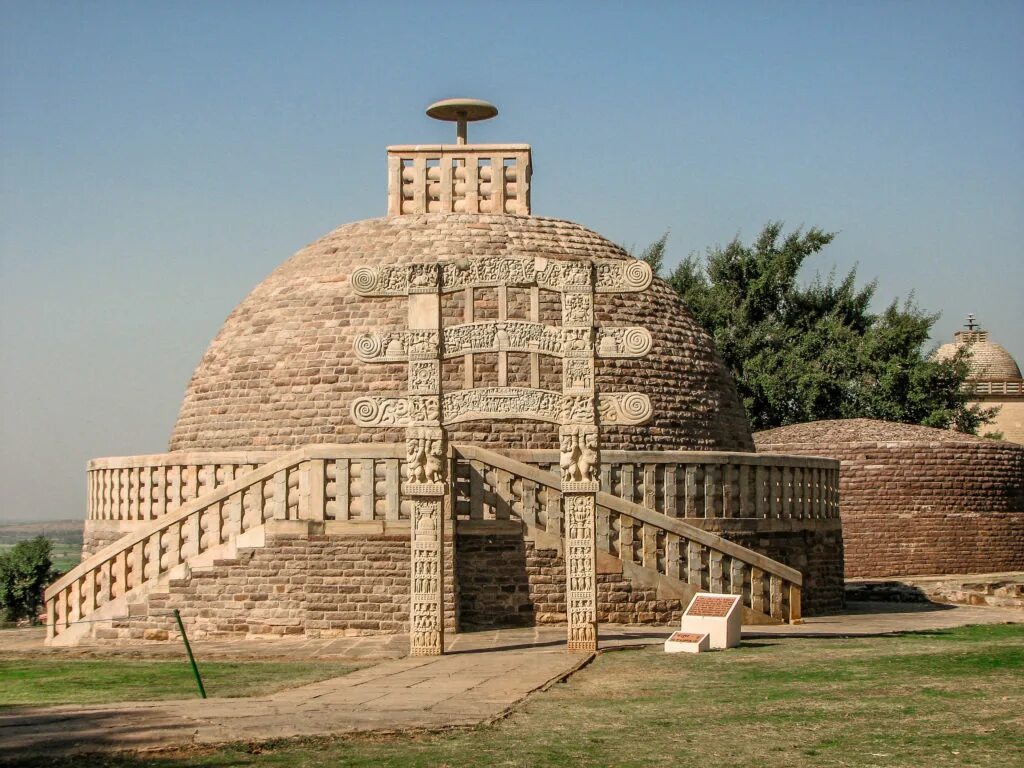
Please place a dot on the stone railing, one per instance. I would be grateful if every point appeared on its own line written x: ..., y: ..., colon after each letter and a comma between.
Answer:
x: 147, y: 487
x: 991, y: 387
x: 712, y: 484
x: 490, y: 486
x: 459, y: 178
x: 141, y: 488
x: 358, y: 483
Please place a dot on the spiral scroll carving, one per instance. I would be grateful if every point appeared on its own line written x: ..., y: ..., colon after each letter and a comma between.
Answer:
x: 636, y: 341
x: 364, y: 280
x: 368, y: 347
x: 635, y: 407
x: 625, y: 408
x: 637, y: 275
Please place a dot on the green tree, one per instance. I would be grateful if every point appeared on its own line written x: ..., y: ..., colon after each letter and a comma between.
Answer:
x: 806, y: 352
x: 25, y: 570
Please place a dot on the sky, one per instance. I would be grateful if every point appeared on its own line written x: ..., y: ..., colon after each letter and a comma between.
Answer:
x: 157, y: 160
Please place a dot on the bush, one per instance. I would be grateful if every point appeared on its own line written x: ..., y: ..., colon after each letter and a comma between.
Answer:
x: 25, y: 570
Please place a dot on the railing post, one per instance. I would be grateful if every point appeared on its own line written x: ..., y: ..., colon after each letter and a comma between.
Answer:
x: 795, y: 616
x: 51, y: 618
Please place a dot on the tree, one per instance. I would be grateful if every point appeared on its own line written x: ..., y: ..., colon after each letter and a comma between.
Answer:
x: 807, y: 352
x: 25, y: 570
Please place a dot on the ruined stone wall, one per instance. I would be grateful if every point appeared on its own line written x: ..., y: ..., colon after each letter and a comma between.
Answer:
x: 919, y: 508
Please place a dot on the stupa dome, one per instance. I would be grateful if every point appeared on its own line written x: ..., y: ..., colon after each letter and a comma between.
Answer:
x: 283, y: 371
x: 989, y: 361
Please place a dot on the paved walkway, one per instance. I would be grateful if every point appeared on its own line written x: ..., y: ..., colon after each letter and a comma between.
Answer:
x: 483, y: 675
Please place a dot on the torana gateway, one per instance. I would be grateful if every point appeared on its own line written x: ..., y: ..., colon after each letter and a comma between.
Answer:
x: 459, y: 415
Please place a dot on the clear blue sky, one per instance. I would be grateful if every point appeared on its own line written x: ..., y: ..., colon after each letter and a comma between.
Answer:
x: 157, y: 160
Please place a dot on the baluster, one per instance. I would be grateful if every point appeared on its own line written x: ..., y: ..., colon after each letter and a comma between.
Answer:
x: 138, y: 572
x: 690, y: 506
x: 729, y: 506
x: 737, y: 575
x: 795, y: 615
x: 51, y: 618
x: 649, y: 542
x: 651, y: 487
x: 279, y: 495
x: 626, y: 553
x: 775, y: 586
x: 530, y: 502
x: 746, y: 498
x: 120, y: 574
x: 712, y: 490
x: 76, y: 600
x: 694, y: 564
x: 671, y: 491
x: 761, y: 483
x: 160, y: 492
x: 174, y: 490
x: 673, y: 554
x: 190, y: 483
x: 627, y: 491
x: 476, y: 490
x: 775, y: 492
x: 115, y: 494
x: 61, y: 611
x: 787, y: 511
x: 344, y: 482
x: 503, y: 495
x: 606, y: 478
x: 757, y: 590
x: 316, y: 485
x: 555, y: 522
x: 603, y: 529
x: 106, y: 573
x: 89, y: 591
x: 716, y: 573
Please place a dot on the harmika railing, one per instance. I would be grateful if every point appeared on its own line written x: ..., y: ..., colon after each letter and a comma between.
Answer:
x: 490, y: 486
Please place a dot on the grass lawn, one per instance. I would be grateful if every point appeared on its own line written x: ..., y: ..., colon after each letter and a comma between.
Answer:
x: 944, y: 698
x: 43, y: 680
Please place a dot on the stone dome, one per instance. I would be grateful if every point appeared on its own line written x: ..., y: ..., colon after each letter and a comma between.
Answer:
x: 988, y: 359
x: 282, y: 371
x: 844, y: 431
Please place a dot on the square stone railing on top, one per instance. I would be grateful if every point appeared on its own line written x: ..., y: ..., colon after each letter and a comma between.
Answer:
x: 459, y: 178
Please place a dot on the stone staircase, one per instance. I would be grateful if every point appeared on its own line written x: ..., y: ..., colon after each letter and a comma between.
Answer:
x: 326, y: 486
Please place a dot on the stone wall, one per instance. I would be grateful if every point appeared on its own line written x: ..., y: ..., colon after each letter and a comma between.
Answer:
x: 918, y: 501
x: 296, y: 584
x: 508, y: 580
x: 813, y: 547
x: 98, y: 534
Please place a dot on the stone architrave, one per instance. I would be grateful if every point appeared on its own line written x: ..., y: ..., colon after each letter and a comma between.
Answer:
x: 424, y: 410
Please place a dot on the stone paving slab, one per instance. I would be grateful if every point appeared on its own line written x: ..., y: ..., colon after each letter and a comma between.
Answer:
x: 481, y: 678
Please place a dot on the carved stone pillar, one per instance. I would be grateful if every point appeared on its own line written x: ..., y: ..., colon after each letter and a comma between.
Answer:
x: 426, y: 464
x: 579, y: 457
